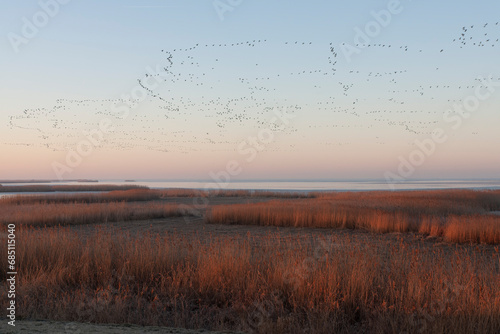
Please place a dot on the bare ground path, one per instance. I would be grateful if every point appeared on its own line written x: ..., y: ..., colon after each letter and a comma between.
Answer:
x: 58, y: 327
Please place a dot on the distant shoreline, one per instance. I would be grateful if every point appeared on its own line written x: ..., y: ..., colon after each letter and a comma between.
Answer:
x: 46, y: 181
x: 284, y: 187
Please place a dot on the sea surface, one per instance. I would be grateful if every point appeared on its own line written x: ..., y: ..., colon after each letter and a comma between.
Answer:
x: 300, y: 186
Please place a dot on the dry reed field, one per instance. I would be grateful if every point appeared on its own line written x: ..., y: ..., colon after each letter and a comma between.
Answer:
x: 103, y: 207
x: 113, y: 206
x: 141, y: 194
x: 222, y: 283
x: 52, y: 188
x: 231, y: 193
x: 84, y: 213
x: 133, y: 195
x: 350, y: 282
x: 455, y: 215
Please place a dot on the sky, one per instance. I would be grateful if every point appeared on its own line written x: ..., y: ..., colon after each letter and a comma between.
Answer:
x: 194, y: 90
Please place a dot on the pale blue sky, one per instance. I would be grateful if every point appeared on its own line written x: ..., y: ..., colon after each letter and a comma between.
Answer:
x: 98, y: 49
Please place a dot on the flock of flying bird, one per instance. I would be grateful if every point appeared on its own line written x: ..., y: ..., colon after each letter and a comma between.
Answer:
x: 482, y: 35
x: 211, y: 98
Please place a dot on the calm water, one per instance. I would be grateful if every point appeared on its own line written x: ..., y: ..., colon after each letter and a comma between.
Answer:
x: 295, y: 185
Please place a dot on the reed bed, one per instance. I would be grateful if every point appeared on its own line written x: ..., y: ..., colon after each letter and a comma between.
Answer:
x: 133, y: 195
x: 78, y: 213
x: 231, y: 193
x: 457, y: 216
x: 203, y: 193
x: 53, y: 188
x: 458, y: 201
x: 223, y: 283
